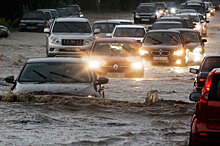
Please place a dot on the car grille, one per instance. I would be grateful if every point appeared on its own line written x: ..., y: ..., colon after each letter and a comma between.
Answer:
x: 72, y: 42
x: 72, y: 50
x: 160, y: 53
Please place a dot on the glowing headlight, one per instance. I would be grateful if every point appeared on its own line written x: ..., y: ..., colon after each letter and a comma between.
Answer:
x: 143, y: 52
x: 212, y: 11
x: 208, y: 14
x: 55, y: 40
x: 197, y: 50
x: 198, y: 26
x: 94, y: 64
x: 173, y: 10
x: 160, y: 11
x: 179, y: 52
x: 89, y: 41
x: 81, y: 15
x: 157, y: 13
x: 137, y: 65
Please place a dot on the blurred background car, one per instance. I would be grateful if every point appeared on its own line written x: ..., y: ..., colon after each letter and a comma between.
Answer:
x: 65, y: 76
x: 4, y: 32
x: 74, y: 10
x: 171, y: 6
x: 166, y: 25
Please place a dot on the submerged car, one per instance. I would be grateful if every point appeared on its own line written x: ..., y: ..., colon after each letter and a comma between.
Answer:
x: 164, y: 46
x: 195, y: 43
x: 69, y: 37
x: 205, y: 123
x: 116, y: 58
x: 135, y: 32
x: 4, y: 32
x: 66, y: 76
x: 208, y: 64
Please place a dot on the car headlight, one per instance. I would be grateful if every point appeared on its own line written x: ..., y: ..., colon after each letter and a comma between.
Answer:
x: 137, y: 65
x: 137, y: 16
x: 208, y: 14
x: 173, y: 10
x: 55, y: 40
x: 178, y: 52
x: 143, y: 52
x: 90, y: 41
x: 160, y: 11
x: 197, y: 50
x: 153, y: 16
x: 157, y: 13
x: 198, y: 27
x: 94, y: 64
x: 212, y: 11
x: 81, y: 15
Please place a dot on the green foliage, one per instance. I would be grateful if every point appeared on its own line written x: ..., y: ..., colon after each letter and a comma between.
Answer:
x: 9, y: 23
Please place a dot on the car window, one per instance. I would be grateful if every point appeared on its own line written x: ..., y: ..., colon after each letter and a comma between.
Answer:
x: 57, y: 72
x: 166, y: 26
x: 71, y: 27
x: 33, y: 16
x: 126, y: 23
x: 215, y: 89
x: 115, y: 49
x: 210, y: 64
x: 129, y: 32
x: 195, y: 18
x: 105, y: 27
x: 166, y: 38
x: 146, y: 9
x: 198, y: 8
x: 191, y: 37
x: 47, y: 16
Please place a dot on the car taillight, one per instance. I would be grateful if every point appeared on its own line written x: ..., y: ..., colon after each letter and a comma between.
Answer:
x: 202, y: 80
x: 206, y: 89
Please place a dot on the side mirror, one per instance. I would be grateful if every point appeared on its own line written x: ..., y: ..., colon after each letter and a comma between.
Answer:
x: 204, y: 40
x: 46, y: 30
x: 97, y: 31
x: 102, y: 80
x: 195, y: 96
x: 109, y: 35
x: 207, y: 21
x: 193, y: 70
x: 10, y: 80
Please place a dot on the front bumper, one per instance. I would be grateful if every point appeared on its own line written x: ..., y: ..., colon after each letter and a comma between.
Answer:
x: 145, y: 19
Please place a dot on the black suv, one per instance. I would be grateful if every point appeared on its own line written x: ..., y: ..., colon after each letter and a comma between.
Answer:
x: 74, y: 10
x: 208, y: 64
x: 145, y: 13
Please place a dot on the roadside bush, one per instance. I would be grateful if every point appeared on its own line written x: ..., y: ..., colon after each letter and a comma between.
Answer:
x: 9, y: 23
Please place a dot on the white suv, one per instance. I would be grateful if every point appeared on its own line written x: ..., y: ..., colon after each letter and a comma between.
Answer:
x: 69, y: 37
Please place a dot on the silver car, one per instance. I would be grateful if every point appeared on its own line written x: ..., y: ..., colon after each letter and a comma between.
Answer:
x: 69, y: 37
x: 65, y: 76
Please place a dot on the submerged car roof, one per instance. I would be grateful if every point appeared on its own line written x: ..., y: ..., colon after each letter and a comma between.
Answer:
x: 130, y: 26
x: 162, y: 30
x: 71, y: 19
x: 56, y: 59
x: 114, y: 40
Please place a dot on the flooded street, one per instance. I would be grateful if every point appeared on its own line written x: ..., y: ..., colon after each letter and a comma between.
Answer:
x: 124, y: 117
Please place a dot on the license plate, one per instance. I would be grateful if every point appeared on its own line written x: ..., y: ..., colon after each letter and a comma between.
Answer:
x: 161, y: 58
x: 145, y: 19
x: 29, y: 27
x: 116, y: 75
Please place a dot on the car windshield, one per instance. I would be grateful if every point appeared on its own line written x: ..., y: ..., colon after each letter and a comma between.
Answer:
x: 166, y: 25
x: 160, y: 6
x: 74, y: 8
x: 210, y: 64
x: 129, y: 32
x: 115, y: 49
x: 33, y: 16
x: 198, y: 8
x: 146, y: 9
x: 55, y: 72
x: 72, y: 27
x: 191, y: 37
x: 171, y: 4
x: 166, y: 38
x: 62, y: 12
x: 105, y: 27
x: 195, y: 18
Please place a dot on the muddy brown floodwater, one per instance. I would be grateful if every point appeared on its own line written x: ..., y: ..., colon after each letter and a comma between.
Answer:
x: 124, y: 117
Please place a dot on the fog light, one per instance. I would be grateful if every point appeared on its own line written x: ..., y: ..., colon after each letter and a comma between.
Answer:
x: 178, y: 62
x: 52, y: 49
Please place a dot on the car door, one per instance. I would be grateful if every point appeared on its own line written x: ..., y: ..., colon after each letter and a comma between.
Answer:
x: 213, y: 106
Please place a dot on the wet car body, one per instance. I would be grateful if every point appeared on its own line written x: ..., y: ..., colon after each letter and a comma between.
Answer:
x: 55, y: 76
x: 208, y: 63
x: 164, y: 46
x: 145, y: 13
x: 4, y: 32
x: 135, y: 32
x: 205, y: 123
x: 63, y: 40
x: 34, y: 21
x: 124, y: 63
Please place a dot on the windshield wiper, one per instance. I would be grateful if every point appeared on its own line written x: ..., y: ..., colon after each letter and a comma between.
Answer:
x: 65, y: 76
x: 176, y: 42
x: 158, y: 41
x: 46, y: 79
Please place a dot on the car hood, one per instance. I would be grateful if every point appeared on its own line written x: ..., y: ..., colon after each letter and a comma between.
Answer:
x: 78, y: 89
x: 192, y: 46
x: 78, y: 36
x: 159, y: 47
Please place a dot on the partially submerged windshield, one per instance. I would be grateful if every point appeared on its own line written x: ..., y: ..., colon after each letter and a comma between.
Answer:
x: 72, y: 27
x: 115, y: 49
x: 166, y: 26
x: 146, y: 9
x: 210, y: 64
x: 190, y: 37
x: 33, y: 16
x: 129, y: 32
x: 166, y: 38
x: 55, y: 72
x: 105, y: 27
